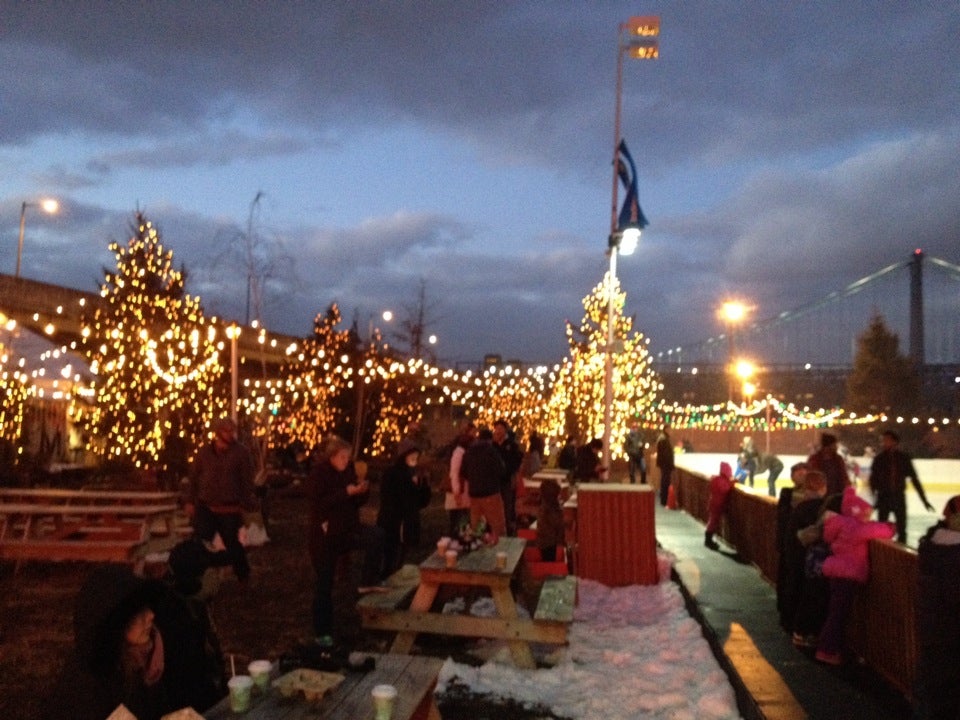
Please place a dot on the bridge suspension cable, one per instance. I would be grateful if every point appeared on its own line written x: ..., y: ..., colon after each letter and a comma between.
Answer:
x: 793, y: 314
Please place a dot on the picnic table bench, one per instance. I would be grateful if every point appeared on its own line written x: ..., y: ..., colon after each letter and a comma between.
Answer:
x: 86, y: 497
x: 550, y: 623
x: 111, y: 532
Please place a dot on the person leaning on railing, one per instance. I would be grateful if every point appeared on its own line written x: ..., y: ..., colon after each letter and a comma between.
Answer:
x: 938, y: 618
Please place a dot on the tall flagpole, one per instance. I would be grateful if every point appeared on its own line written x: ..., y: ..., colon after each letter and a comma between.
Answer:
x: 635, y: 27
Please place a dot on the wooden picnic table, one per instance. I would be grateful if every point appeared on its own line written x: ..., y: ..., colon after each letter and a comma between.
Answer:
x: 96, y: 532
x: 479, y: 569
x: 555, y: 473
x: 86, y: 497
x: 414, y: 677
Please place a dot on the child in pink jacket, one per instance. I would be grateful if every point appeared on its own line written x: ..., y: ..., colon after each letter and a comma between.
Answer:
x: 848, y: 566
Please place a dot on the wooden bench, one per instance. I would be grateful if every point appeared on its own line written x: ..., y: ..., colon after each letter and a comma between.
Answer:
x: 536, y: 565
x: 558, y: 598
x: 402, y: 584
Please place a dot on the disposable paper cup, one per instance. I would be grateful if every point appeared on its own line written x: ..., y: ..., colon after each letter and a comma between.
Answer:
x: 451, y: 556
x: 442, y: 545
x: 260, y: 672
x: 383, y: 697
x: 240, y: 687
x: 501, y: 560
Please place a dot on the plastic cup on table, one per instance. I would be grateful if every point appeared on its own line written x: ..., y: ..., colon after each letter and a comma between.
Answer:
x: 383, y: 697
x: 501, y: 560
x: 451, y: 557
x: 260, y: 673
x: 240, y: 687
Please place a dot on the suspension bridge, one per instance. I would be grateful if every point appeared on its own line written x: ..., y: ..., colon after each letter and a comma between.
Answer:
x: 918, y: 299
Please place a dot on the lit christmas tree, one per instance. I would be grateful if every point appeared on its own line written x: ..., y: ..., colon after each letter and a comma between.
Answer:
x: 315, y: 377
x: 576, y: 404
x: 518, y: 397
x: 156, y: 356
x: 399, y: 401
x: 14, y: 391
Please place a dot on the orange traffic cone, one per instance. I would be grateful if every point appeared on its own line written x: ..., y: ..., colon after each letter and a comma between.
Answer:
x: 671, y: 498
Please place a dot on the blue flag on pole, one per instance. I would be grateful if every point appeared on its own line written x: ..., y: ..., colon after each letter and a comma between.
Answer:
x: 630, y: 212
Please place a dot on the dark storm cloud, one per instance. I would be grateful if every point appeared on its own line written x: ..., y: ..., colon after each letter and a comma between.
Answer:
x: 793, y: 78
x: 766, y: 104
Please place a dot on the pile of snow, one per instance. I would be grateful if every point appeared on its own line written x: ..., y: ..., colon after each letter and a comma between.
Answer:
x: 634, y: 652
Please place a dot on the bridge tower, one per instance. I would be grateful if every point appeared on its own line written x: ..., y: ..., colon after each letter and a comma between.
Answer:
x: 916, y: 310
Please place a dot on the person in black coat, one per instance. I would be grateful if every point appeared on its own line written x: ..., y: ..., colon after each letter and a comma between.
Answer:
x: 665, y: 464
x: 136, y: 643
x: 888, y: 480
x: 335, y: 493
x: 801, y: 600
x: 938, y: 618
x: 482, y: 468
x: 403, y: 494
x: 589, y: 468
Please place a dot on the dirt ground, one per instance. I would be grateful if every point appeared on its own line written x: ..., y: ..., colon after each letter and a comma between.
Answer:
x: 264, y: 619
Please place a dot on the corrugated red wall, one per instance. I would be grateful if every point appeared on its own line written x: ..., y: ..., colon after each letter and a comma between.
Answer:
x: 616, y: 541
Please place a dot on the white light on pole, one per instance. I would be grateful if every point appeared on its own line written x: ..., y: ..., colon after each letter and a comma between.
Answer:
x: 636, y: 39
x: 732, y: 313
x: 48, y: 205
x: 233, y: 332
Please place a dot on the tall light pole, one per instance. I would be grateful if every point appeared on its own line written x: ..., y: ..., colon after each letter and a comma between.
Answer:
x: 48, y: 205
x: 732, y: 313
x: 635, y: 38
x: 233, y: 332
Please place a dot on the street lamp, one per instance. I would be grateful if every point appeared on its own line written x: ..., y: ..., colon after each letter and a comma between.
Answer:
x: 48, y: 205
x: 233, y: 332
x: 732, y: 313
x: 636, y: 39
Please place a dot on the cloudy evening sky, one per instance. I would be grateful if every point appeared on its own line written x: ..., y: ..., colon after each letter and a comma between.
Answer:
x: 369, y: 147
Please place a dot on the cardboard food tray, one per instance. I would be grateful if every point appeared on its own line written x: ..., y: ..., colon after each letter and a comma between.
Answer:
x: 314, y: 684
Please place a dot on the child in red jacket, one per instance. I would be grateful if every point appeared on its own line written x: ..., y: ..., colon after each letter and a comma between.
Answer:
x: 720, y: 487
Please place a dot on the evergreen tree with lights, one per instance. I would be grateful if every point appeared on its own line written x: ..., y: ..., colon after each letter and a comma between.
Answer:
x: 517, y: 396
x: 14, y: 391
x: 156, y: 358
x: 316, y: 377
x: 398, y: 402
x: 577, y: 401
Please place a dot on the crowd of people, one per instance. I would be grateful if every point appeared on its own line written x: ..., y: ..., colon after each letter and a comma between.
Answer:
x: 823, y: 533
x: 150, y: 645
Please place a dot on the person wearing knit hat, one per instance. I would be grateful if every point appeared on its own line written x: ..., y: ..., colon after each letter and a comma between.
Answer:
x: 221, y: 489
x: 847, y: 567
x: 828, y: 460
x: 137, y: 644
x: 720, y: 487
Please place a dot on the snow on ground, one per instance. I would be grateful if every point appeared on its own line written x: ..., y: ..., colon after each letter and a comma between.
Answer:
x: 634, y: 652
